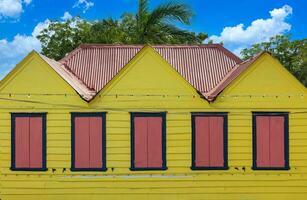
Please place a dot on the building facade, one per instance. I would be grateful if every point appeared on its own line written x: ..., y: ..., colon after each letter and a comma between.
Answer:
x: 161, y: 122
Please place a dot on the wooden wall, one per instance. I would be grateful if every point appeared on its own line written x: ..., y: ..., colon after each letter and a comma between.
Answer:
x: 149, y: 85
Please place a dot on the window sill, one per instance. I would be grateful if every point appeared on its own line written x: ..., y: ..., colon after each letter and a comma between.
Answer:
x: 28, y: 169
x: 209, y: 168
x: 148, y: 169
x: 88, y: 169
x: 271, y: 168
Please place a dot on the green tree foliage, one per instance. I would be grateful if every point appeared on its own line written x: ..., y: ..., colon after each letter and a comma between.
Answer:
x: 291, y: 53
x: 157, y: 26
x: 62, y: 37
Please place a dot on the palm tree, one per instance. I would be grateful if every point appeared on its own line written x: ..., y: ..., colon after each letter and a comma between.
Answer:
x: 157, y: 26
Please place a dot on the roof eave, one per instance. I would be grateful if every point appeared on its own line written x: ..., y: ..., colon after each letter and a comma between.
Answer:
x: 84, y: 92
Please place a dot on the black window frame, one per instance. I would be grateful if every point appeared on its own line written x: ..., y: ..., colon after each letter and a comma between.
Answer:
x: 132, y: 148
x: 286, y: 139
x: 225, y: 139
x: 44, y: 141
x: 104, y: 148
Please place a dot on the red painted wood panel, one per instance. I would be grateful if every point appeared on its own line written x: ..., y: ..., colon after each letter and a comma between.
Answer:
x: 36, y: 142
x: 96, y: 142
x: 202, y: 141
x: 154, y: 135
x: 22, y: 142
x: 263, y: 141
x: 140, y: 142
x: 277, y: 147
x: 216, y: 141
x: 82, y: 142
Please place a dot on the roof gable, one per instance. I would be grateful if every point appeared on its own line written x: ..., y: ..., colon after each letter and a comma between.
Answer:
x: 36, y: 74
x: 149, y: 73
x: 146, y: 75
x: 262, y: 75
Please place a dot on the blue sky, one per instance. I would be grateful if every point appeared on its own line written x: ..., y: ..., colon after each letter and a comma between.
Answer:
x: 238, y: 23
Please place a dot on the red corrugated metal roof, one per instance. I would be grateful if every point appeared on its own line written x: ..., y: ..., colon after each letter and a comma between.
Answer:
x: 203, y: 66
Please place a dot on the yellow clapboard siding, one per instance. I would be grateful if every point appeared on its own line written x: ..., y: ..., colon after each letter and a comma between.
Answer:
x: 178, y: 181
x: 150, y: 184
x: 157, y: 196
x: 167, y: 190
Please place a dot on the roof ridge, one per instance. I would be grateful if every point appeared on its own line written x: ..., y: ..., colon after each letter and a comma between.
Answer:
x: 142, y: 45
x: 70, y: 54
x: 229, y: 54
x: 215, y: 45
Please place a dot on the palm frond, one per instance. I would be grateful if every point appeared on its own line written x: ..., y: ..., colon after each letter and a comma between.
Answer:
x: 179, y: 36
x: 142, y: 12
x: 143, y: 7
x: 171, y: 12
x: 141, y: 18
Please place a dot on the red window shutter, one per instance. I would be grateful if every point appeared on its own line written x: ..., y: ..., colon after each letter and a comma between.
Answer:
x: 22, y: 142
x: 28, y: 142
x: 82, y: 142
x: 202, y: 141
x: 263, y: 141
x: 209, y: 141
x: 140, y: 142
x: 277, y: 145
x: 88, y: 142
x: 148, y: 142
x: 36, y: 142
x: 270, y: 141
x: 154, y: 127
x: 96, y: 142
x: 216, y: 141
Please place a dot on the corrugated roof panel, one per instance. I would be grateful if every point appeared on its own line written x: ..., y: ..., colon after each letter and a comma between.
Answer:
x: 203, y: 66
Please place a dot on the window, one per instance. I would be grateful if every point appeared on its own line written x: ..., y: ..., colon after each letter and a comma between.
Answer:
x: 88, y: 142
x: 28, y: 141
x: 270, y: 141
x: 209, y: 141
x: 148, y: 141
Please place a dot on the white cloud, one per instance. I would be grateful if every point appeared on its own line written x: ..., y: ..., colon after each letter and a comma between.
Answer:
x: 13, y: 51
x: 20, y: 45
x: 86, y: 4
x: 281, y: 13
x: 39, y: 27
x: 66, y: 16
x: 27, y: 2
x: 12, y: 8
x: 260, y: 30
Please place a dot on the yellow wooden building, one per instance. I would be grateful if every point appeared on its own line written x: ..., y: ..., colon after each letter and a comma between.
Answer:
x: 152, y: 122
